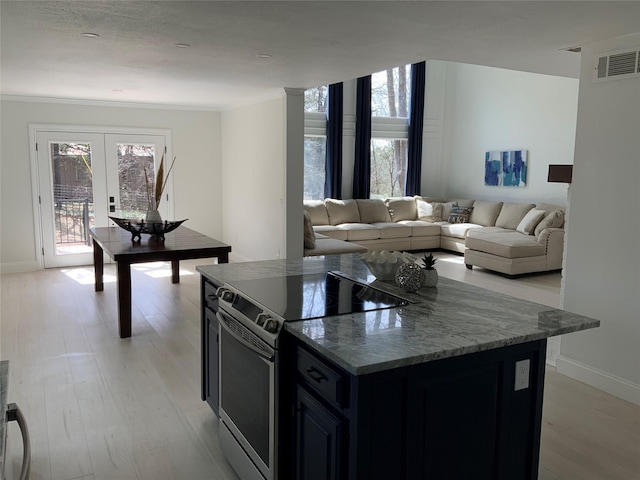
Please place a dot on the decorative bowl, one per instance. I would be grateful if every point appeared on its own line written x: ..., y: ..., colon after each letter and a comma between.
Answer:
x: 138, y: 227
x: 384, y: 264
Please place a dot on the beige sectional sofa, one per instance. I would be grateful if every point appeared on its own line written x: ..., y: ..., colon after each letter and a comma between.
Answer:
x: 507, y: 237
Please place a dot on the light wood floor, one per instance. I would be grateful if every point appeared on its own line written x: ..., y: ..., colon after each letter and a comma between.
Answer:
x: 100, y: 407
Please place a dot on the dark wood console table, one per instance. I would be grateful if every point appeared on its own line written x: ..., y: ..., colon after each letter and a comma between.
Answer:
x: 181, y: 244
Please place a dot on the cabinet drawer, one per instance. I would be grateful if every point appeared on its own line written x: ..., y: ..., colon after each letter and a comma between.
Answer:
x: 323, y: 378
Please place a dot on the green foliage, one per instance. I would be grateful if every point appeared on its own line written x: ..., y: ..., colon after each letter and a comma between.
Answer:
x: 429, y: 262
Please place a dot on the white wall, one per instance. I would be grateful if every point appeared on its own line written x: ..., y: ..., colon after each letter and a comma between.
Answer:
x: 196, y: 144
x: 489, y: 109
x: 602, y: 269
x: 254, y: 180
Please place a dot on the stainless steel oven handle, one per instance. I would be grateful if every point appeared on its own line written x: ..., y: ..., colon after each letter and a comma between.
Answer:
x: 270, y: 357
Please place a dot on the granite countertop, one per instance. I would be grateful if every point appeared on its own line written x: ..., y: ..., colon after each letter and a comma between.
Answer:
x: 449, y: 320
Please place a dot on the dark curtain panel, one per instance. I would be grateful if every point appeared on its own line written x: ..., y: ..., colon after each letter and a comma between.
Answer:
x: 362, y: 166
x: 416, y: 120
x: 333, y: 162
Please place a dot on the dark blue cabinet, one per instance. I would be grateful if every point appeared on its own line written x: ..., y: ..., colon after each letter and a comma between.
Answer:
x: 456, y: 418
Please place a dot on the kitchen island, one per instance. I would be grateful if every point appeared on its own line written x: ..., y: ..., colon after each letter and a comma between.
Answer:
x: 449, y: 386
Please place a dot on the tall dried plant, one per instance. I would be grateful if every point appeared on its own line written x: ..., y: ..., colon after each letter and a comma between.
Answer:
x: 154, y: 194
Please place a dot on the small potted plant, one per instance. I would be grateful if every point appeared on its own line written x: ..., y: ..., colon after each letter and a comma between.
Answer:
x: 429, y: 272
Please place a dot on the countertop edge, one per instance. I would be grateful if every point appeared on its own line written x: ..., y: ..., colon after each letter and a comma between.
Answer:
x: 434, y: 356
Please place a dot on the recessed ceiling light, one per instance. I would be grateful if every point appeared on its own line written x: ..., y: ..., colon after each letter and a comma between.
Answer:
x: 90, y: 35
x: 182, y: 45
x: 264, y: 55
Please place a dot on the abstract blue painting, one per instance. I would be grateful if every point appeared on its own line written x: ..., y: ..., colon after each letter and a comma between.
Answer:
x: 506, y: 169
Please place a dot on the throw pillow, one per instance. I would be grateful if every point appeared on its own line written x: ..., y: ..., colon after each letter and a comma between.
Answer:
x: 529, y: 222
x: 309, y: 234
x: 429, y: 211
x: 460, y: 214
x: 554, y: 220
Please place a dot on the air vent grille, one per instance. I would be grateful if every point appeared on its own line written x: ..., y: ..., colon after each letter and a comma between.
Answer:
x: 622, y: 64
x: 617, y: 66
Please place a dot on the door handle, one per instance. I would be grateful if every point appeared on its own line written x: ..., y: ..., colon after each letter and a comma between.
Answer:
x: 316, y: 374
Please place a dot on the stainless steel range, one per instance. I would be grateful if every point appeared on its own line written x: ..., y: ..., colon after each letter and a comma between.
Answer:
x: 251, y: 315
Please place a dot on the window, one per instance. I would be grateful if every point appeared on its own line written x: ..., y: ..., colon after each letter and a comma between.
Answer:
x: 315, y: 142
x: 390, y: 94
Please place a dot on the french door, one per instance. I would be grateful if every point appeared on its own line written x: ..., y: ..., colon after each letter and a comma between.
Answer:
x: 83, y: 179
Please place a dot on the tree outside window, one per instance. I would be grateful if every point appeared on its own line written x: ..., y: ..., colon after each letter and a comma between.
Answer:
x: 390, y: 93
x: 315, y: 99
x: 315, y: 142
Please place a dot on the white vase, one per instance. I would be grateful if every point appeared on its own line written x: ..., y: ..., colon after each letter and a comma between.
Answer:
x: 153, y: 216
x: 430, y: 278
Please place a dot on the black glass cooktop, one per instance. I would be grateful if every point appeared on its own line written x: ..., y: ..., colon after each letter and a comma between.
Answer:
x: 302, y: 297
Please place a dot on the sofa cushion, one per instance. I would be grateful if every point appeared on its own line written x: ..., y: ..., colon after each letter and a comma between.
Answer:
x: 393, y: 230
x: 428, y: 199
x: 372, y: 211
x: 401, y: 208
x: 457, y: 230
x: 309, y: 234
x: 554, y: 219
x: 463, y: 202
x: 317, y: 211
x: 429, y: 211
x: 460, y: 214
x: 420, y: 228
x: 331, y: 246
x: 530, y: 220
x: 331, y: 231
x: 446, y: 209
x: 508, y: 244
x: 360, y: 231
x: 485, y: 213
x: 512, y: 213
x: 342, y: 211
x: 549, y: 207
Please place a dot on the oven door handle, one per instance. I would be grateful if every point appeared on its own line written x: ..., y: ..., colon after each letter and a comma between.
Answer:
x: 224, y: 319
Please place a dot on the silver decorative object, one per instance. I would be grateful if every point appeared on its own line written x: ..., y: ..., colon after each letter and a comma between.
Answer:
x: 409, y: 277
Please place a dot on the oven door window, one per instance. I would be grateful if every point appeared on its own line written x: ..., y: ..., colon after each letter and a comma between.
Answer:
x: 245, y: 381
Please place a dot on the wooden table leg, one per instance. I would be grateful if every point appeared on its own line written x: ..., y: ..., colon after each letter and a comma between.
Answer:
x: 175, y: 271
x: 124, y: 299
x: 98, y: 266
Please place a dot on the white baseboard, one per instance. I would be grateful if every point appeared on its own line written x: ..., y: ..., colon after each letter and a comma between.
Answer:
x: 611, y: 384
x: 19, y: 267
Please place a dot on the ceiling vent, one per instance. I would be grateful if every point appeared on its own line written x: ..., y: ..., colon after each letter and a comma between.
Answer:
x: 617, y: 66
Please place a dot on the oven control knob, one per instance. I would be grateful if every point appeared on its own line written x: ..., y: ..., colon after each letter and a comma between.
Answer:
x: 262, y: 318
x: 227, y: 296
x: 271, y: 326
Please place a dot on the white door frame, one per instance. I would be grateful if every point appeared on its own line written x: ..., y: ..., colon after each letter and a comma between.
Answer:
x: 34, y: 128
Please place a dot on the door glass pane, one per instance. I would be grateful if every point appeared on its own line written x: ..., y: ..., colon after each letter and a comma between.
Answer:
x: 136, y: 178
x: 72, y: 175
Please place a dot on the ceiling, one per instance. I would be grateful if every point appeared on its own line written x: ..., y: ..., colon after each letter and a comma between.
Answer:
x: 310, y: 43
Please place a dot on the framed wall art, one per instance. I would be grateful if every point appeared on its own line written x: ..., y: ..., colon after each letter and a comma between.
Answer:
x: 505, y: 169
